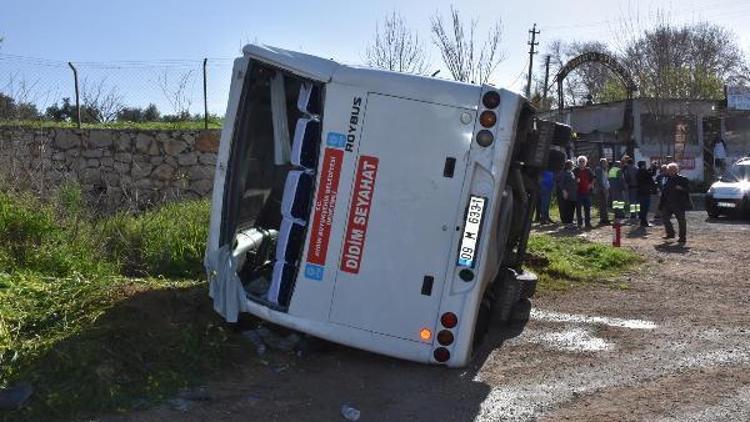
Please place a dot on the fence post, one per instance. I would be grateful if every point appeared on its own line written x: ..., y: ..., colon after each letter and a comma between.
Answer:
x: 78, y: 100
x: 205, y: 96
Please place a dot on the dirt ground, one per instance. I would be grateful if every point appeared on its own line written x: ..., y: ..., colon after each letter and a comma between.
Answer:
x: 674, y: 346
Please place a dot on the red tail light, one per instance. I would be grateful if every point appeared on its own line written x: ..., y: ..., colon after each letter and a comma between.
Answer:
x: 442, y: 354
x: 491, y: 99
x: 449, y: 320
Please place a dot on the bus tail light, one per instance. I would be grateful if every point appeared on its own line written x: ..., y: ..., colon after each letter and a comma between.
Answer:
x: 488, y: 119
x: 425, y: 334
x: 445, y: 338
x: 449, y: 320
x: 442, y: 354
x: 485, y: 138
x: 491, y: 100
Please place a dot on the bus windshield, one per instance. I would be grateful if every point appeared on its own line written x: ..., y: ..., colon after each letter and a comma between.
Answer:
x: 269, y: 179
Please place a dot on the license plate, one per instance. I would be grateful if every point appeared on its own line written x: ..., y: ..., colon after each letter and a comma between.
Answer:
x: 472, y: 228
x: 727, y: 205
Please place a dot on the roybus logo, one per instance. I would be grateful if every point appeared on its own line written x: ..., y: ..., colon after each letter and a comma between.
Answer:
x: 359, y: 214
x: 325, y: 204
x: 353, y: 124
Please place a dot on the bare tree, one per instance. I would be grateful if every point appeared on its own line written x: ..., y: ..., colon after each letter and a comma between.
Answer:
x: 590, y: 81
x: 459, y: 49
x: 396, y: 47
x: 178, y: 94
x: 24, y: 96
x: 99, y: 102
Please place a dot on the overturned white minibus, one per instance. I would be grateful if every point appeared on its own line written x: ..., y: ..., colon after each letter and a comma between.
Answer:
x: 379, y: 210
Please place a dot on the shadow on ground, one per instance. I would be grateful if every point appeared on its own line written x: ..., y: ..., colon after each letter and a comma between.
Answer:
x: 141, y: 350
x: 312, y: 388
x: 673, y: 248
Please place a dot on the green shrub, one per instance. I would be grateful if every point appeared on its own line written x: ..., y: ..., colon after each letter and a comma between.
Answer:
x: 35, y: 237
x: 169, y: 241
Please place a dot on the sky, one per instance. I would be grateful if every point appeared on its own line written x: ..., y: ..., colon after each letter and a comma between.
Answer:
x: 130, y: 43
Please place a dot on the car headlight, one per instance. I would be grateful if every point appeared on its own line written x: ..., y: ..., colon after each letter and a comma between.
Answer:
x: 711, y: 191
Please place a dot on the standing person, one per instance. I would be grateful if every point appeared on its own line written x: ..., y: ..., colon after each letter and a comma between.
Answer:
x: 602, y: 190
x: 617, y: 188
x: 720, y: 155
x: 631, y: 181
x: 559, y: 173
x: 546, y: 186
x: 675, y: 200
x: 569, y: 190
x: 646, y: 187
x: 660, y: 179
x: 585, y: 185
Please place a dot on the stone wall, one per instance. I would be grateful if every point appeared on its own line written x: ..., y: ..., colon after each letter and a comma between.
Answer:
x: 119, y: 169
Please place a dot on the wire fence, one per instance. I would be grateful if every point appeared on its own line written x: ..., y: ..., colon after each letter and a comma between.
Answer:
x: 110, y: 93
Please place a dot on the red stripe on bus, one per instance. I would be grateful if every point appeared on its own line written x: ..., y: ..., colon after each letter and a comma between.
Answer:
x: 325, y: 204
x: 359, y: 215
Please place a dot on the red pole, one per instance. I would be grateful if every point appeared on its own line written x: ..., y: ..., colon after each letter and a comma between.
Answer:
x: 617, y: 235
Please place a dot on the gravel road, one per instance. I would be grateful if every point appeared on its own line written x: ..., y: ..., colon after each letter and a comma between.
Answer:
x: 673, y: 346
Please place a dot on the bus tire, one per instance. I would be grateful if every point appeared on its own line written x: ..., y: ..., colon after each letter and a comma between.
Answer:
x: 508, y: 293
x: 484, y: 317
x: 521, y: 312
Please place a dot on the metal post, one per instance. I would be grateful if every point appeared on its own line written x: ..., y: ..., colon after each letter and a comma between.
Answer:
x: 546, y: 81
x: 205, y: 96
x: 78, y: 97
x: 532, y: 52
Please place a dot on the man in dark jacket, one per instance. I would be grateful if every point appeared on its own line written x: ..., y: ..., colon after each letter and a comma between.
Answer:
x: 646, y: 187
x: 675, y: 200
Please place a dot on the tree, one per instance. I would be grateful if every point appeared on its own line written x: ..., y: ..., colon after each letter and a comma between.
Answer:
x: 589, y: 81
x: 10, y: 109
x: 139, y: 115
x: 61, y: 113
x: 99, y: 104
x: 178, y: 95
x: 397, y: 48
x: 692, y: 61
x: 459, y: 48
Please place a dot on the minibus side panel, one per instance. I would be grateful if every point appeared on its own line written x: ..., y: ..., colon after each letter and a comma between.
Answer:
x: 400, y: 218
x: 344, y: 107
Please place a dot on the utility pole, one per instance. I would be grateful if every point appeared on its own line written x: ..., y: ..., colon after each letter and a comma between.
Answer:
x: 532, y: 51
x: 546, y: 80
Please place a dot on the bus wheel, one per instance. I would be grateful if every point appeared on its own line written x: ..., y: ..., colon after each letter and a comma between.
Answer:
x: 521, y: 312
x: 508, y: 292
x: 484, y: 317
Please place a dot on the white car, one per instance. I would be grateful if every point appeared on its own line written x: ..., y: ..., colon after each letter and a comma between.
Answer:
x: 731, y: 194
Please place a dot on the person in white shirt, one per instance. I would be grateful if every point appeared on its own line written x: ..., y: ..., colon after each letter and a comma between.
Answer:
x: 720, y: 155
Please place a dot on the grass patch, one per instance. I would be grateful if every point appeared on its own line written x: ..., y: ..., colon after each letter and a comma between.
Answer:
x: 91, y: 345
x: 213, y: 123
x: 562, y: 263
x: 85, y: 335
x: 169, y: 241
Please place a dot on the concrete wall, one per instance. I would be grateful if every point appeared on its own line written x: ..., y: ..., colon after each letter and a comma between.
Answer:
x: 119, y: 169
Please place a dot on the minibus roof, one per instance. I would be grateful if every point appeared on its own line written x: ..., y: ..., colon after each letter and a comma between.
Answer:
x: 393, y: 83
